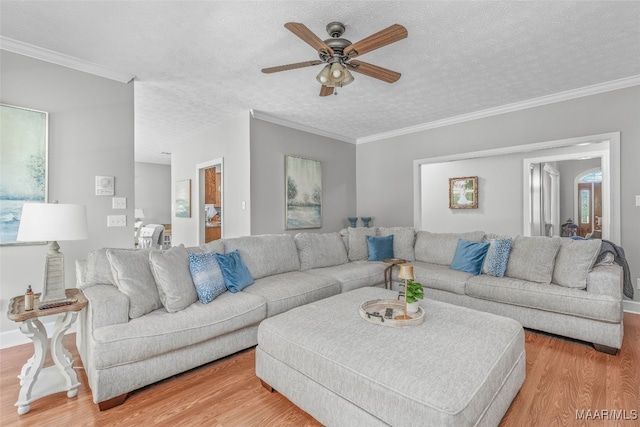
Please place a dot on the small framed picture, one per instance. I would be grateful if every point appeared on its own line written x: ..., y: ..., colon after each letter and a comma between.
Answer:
x: 105, y: 186
x: 463, y: 192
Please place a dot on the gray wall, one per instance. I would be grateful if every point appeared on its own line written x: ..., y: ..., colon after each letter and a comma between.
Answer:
x: 90, y: 133
x: 269, y: 145
x: 153, y: 192
x: 590, y: 115
x: 229, y: 141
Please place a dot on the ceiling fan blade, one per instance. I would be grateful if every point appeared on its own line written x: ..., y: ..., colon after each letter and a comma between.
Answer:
x: 326, y: 90
x: 381, y: 38
x: 308, y: 37
x: 374, y: 71
x: 291, y: 66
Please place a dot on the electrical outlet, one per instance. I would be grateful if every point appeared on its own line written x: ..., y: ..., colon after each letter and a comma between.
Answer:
x: 116, y: 220
x: 638, y: 283
x: 637, y: 200
x: 119, y: 202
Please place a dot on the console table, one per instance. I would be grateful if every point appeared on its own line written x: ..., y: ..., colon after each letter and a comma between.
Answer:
x: 36, y: 381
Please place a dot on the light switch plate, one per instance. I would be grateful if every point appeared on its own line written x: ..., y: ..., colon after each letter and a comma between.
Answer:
x: 637, y: 200
x: 116, y: 220
x: 119, y: 202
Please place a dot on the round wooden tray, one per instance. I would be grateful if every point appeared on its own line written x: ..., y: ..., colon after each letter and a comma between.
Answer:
x: 380, y: 305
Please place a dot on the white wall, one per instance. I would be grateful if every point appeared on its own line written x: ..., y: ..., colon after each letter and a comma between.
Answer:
x: 500, y: 200
x: 90, y: 133
x: 153, y: 192
x: 269, y: 145
x: 590, y: 115
x: 229, y: 141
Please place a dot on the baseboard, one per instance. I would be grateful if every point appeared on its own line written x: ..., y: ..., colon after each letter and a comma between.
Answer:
x: 631, y: 306
x: 15, y: 337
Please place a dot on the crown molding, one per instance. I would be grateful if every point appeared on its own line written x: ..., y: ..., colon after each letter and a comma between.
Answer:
x: 261, y: 115
x: 58, y: 58
x: 508, y: 108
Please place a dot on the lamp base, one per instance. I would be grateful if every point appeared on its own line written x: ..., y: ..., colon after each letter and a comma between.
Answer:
x: 53, y: 284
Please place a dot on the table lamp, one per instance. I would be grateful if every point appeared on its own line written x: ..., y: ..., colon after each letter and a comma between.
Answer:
x: 406, y: 273
x: 50, y: 222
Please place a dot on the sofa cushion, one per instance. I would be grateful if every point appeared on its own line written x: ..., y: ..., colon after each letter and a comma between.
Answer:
x: 353, y: 275
x: 438, y: 276
x: 99, y: 267
x: 235, y: 272
x: 266, y: 254
x: 495, y: 263
x: 380, y: 247
x: 532, y: 258
x: 170, y: 270
x: 404, y: 239
x: 160, y: 332
x: 574, y: 262
x: 469, y: 256
x: 553, y: 298
x: 288, y: 290
x: 132, y: 275
x: 440, y: 248
x: 207, y: 276
x: 358, y: 248
x: 317, y: 250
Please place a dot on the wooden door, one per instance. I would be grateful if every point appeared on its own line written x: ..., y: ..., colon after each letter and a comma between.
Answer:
x: 589, y: 209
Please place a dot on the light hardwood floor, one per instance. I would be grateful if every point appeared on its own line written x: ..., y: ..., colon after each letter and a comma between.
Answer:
x: 563, y: 376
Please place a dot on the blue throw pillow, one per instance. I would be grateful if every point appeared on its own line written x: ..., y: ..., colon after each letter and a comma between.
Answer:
x: 206, y: 275
x: 235, y: 272
x: 469, y: 256
x: 495, y: 263
x: 380, y: 247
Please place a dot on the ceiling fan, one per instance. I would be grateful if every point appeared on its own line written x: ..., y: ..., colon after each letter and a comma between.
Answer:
x: 338, y: 54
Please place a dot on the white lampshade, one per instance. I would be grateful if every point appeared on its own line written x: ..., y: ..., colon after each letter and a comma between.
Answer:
x: 138, y: 213
x: 46, y: 222
x: 406, y: 272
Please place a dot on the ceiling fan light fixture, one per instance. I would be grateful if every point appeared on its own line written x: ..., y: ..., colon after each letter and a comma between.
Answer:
x: 324, y: 75
x: 348, y: 77
x: 337, y: 71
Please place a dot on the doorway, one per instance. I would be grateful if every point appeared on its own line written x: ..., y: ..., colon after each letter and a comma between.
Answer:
x: 210, y: 205
x: 589, y: 204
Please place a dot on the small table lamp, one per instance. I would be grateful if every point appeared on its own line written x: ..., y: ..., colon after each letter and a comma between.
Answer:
x: 406, y: 273
x: 50, y: 222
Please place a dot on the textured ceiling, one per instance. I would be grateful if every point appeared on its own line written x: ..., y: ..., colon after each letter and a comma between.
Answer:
x: 197, y: 63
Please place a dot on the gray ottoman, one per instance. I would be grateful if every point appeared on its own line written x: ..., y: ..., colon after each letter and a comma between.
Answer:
x: 459, y: 368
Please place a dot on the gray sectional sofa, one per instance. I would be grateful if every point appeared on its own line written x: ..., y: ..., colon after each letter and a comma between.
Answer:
x: 144, y: 321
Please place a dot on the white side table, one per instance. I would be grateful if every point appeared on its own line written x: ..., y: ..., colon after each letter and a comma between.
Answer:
x: 36, y: 381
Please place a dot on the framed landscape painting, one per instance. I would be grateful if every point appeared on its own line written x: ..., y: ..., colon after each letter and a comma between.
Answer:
x: 23, y: 165
x: 183, y: 199
x: 303, y: 198
x: 463, y: 192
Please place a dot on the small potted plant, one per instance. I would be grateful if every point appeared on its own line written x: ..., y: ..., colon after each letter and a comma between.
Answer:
x: 414, y: 292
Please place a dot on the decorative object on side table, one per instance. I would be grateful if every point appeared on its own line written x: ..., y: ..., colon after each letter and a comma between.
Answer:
x: 388, y: 280
x: 50, y: 222
x: 353, y: 221
x: 412, y: 290
x: 365, y: 221
x: 36, y: 381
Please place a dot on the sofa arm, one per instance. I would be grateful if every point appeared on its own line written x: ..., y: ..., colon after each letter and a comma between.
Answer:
x: 107, y: 305
x: 606, y: 280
